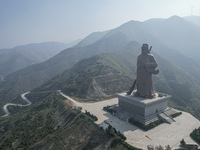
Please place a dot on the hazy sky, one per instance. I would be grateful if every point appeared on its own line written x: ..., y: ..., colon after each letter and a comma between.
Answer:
x: 34, y: 21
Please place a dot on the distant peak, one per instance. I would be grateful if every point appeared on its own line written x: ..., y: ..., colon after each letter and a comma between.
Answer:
x: 175, y: 17
x: 132, y: 21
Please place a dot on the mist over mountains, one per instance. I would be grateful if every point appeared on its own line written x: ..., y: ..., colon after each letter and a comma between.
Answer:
x: 194, y: 19
x: 95, y: 69
x: 19, y: 57
x: 177, y: 33
x: 110, y: 56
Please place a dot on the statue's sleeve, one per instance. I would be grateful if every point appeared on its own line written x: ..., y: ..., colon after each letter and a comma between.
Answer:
x: 152, y: 62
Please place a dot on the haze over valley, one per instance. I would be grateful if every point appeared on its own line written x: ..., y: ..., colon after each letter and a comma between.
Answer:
x: 92, y: 68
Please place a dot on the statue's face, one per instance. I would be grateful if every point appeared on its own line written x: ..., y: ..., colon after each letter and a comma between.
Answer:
x: 144, y: 51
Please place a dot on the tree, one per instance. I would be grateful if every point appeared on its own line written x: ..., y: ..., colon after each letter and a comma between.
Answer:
x: 167, y: 147
x: 159, y: 147
x: 182, y: 142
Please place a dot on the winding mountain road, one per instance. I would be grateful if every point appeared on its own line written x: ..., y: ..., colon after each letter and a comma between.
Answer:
x: 5, y: 107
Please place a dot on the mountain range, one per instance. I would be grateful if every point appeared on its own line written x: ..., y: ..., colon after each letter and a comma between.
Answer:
x: 19, y: 57
x: 95, y: 69
x: 120, y: 47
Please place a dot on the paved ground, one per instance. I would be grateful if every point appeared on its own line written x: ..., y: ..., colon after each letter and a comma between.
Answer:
x: 164, y: 134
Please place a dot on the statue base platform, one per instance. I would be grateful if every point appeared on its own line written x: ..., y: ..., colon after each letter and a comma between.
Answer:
x: 143, y: 109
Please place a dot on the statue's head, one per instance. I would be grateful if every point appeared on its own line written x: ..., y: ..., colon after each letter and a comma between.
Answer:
x: 145, y: 48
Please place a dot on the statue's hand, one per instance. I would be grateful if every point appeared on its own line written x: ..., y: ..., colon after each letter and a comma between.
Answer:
x: 156, y: 71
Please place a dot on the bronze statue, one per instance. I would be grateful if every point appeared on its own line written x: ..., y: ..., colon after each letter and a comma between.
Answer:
x: 146, y: 66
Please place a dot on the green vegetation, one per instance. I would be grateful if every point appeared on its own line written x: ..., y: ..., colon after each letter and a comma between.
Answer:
x: 29, y: 125
x: 91, y: 115
x: 109, y: 109
x: 51, y: 122
x: 118, y: 141
x: 113, y: 132
x: 182, y: 142
x: 176, y: 114
x: 196, y: 135
x: 146, y: 127
x: 159, y: 147
x: 185, y: 146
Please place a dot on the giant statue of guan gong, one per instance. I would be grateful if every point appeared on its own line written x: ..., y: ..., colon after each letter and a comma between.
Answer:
x: 146, y: 66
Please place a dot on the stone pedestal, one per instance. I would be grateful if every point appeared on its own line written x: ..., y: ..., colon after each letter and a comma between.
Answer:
x: 141, y: 108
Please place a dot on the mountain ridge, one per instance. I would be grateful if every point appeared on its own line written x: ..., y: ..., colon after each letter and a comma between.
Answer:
x: 19, y: 57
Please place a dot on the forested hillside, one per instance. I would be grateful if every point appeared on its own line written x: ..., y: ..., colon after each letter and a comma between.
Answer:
x: 52, y: 122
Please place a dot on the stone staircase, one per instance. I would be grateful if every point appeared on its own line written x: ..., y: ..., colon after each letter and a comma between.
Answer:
x: 166, y: 118
x: 166, y: 115
x: 170, y: 111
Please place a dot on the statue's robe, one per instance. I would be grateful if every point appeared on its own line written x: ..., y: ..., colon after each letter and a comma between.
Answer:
x: 146, y: 65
